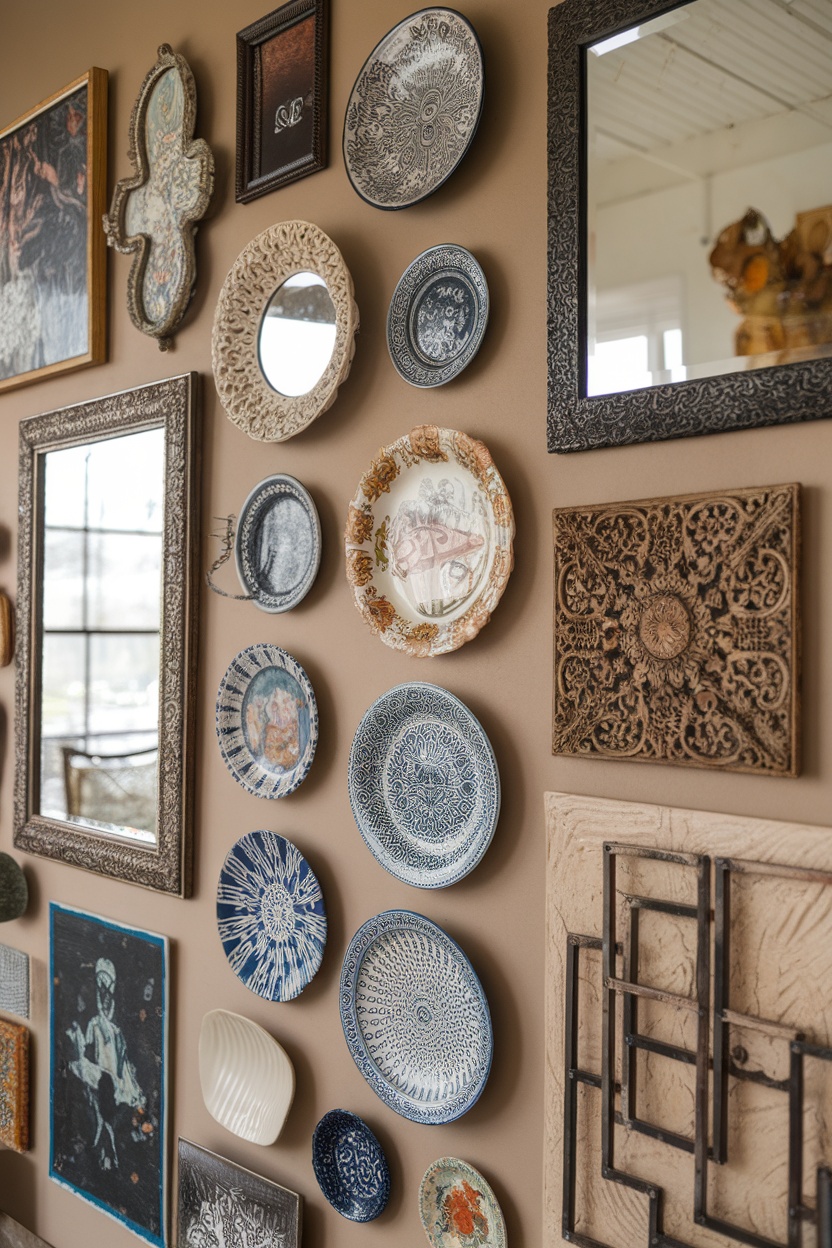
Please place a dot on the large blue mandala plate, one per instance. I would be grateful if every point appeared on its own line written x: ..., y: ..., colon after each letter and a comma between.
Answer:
x: 350, y: 1166
x: 415, y: 1017
x: 270, y: 916
x: 267, y: 721
x: 424, y: 786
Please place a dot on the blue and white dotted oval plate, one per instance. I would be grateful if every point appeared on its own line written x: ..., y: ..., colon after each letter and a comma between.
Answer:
x: 267, y: 721
x: 424, y: 785
x: 350, y: 1166
x: 271, y: 916
x: 415, y: 1017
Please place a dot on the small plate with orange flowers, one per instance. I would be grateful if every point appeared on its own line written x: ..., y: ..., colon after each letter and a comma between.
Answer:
x: 458, y: 1208
x: 429, y: 541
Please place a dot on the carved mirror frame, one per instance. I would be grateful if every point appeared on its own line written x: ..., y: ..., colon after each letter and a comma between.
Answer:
x: 781, y: 394
x: 171, y: 405
x: 140, y: 246
x: 269, y: 260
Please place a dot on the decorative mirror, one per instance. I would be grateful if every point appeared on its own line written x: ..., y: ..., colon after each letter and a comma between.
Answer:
x: 690, y: 219
x: 284, y: 331
x: 106, y: 646
x: 154, y: 213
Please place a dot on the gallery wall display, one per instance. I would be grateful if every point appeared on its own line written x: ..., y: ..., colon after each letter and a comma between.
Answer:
x: 688, y: 962
x: 415, y: 1017
x: 457, y: 1206
x: 267, y: 721
x: 281, y: 97
x: 106, y: 646
x: 277, y: 548
x: 155, y: 212
x: 6, y: 630
x: 437, y: 316
x: 108, y: 1100
x: 641, y: 347
x: 221, y: 1203
x: 414, y: 109
x: 14, y: 1086
x: 14, y: 981
x: 429, y: 541
x: 53, y: 256
x: 424, y: 786
x: 350, y: 1166
x: 284, y: 331
x: 247, y: 1079
x: 677, y: 630
x: 270, y: 916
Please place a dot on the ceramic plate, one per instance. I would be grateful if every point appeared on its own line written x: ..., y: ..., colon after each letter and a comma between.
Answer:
x: 458, y: 1207
x: 247, y: 1080
x: 270, y: 916
x: 437, y: 316
x: 414, y: 109
x: 429, y: 541
x: 278, y: 544
x: 415, y: 1017
x: 424, y: 786
x: 267, y: 721
x: 350, y: 1166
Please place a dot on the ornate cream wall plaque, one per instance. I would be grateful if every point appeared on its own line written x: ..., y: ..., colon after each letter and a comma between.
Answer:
x: 676, y: 630
x: 688, y: 1028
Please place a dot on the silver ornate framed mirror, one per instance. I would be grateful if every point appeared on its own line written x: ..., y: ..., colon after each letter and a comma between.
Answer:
x: 106, y: 643
x: 284, y: 331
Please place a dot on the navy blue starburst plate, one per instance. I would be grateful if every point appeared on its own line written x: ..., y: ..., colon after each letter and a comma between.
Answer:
x: 350, y: 1166
x: 270, y: 916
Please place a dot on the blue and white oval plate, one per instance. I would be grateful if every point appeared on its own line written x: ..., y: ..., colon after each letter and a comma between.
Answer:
x: 350, y: 1166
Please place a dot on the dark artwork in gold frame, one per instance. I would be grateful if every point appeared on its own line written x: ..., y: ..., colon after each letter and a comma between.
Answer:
x: 53, y: 175
x: 281, y: 98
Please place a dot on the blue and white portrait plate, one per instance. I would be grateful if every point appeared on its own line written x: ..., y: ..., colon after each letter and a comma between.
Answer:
x: 270, y: 916
x: 424, y: 785
x: 415, y: 1017
x: 437, y: 316
x: 278, y: 543
x: 267, y: 721
x: 350, y: 1166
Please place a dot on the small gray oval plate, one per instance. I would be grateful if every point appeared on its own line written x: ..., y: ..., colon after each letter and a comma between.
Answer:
x: 278, y: 544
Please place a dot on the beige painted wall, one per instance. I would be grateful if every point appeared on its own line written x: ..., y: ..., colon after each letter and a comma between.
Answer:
x: 495, y: 205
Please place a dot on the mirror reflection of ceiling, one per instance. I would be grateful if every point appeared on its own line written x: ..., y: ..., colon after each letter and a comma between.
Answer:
x: 719, y: 82
x: 297, y: 335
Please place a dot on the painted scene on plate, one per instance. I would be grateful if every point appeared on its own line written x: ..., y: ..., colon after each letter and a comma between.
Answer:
x: 275, y: 720
x: 108, y: 1041
x: 43, y: 239
x: 224, y: 1206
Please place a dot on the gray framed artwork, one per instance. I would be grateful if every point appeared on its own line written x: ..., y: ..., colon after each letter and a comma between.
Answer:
x: 220, y: 1203
x: 14, y: 981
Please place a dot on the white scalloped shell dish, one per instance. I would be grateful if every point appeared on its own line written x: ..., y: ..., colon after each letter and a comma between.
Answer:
x: 247, y: 1080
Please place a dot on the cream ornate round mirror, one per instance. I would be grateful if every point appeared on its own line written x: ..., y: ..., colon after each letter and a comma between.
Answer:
x: 284, y: 331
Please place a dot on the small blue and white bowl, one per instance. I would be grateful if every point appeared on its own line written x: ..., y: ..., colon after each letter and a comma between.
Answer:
x: 350, y: 1166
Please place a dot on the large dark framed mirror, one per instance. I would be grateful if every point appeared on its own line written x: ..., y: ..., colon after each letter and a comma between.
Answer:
x: 106, y: 649
x: 690, y: 218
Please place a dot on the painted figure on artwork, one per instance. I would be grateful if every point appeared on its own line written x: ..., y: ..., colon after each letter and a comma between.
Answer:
x: 272, y: 720
x: 438, y: 545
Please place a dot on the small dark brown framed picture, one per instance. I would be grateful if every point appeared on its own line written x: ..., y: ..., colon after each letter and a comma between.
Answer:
x: 281, y: 98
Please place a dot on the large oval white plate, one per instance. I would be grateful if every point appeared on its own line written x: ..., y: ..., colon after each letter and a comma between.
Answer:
x: 247, y: 1080
x: 278, y: 543
x: 267, y: 721
x: 458, y: 1207
x: 415, y: 1017
x: 429, y: 541
x: 423, y: 785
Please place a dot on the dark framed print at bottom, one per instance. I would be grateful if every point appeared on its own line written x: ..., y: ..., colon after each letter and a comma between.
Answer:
x: 281, y: 98
x: 53, y: 253
x: 220, y: 1203
x: 108, y: 1068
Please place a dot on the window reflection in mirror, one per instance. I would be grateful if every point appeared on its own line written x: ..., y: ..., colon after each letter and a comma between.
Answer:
x: 693, y: 119
x: 101, y: 613
x: 297, y: 335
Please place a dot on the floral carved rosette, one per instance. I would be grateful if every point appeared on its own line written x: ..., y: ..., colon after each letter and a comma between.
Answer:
x: 458, y: 1208
x: 429, y: 541
x: 676, y: 630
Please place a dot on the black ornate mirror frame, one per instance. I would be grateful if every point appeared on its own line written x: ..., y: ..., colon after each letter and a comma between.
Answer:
x: 782, y: 394
x: 171, y: 404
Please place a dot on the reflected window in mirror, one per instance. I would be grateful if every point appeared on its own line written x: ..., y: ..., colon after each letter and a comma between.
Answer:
x: 297, y: 335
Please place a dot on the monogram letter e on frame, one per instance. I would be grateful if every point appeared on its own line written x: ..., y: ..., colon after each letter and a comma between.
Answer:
x: 154, y: 214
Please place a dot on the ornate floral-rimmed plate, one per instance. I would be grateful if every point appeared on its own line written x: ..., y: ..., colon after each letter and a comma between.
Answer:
x: 423, y: 784
x: 415, y: 1017
x: 437, y: 316
x: 458, y: 1208
x: 414, y: 109
x: 350, y: 1166
x: 278, y: 543
x: 267, y: 721
x: 429, y: 541
x: 270, y: 916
